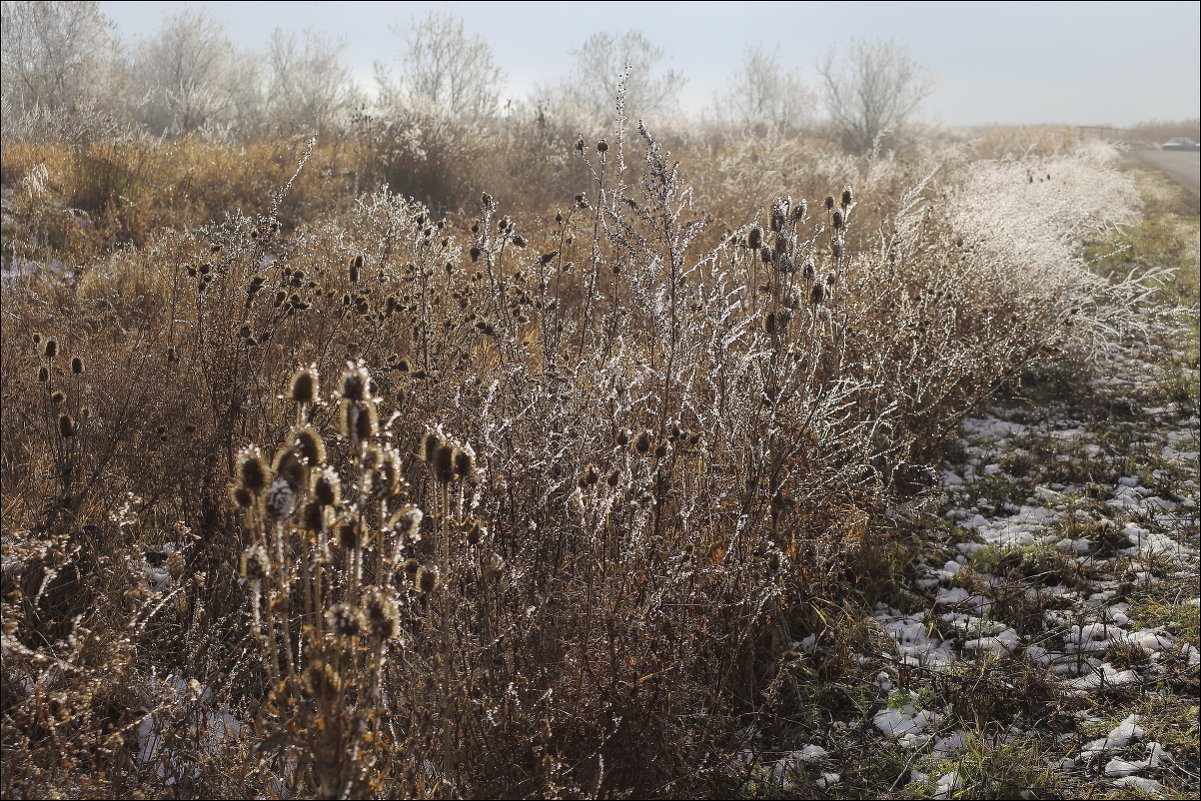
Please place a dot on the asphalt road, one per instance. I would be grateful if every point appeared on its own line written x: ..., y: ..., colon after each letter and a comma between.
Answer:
x: 1184, y: 167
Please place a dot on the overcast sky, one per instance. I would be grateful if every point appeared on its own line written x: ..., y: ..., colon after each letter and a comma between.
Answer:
x: 1082, y: 63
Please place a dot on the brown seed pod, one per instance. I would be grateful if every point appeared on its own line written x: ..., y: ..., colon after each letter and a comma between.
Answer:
x: 290, y: 466
x: 304, y: 387
x: 255, y: 563
x: 252, y: 470
x: 405, y: 523
x: 464, y: 463
x: 444, y: 463
x: 426, y: 578
x: 309, y: 446
x: 344, y: 620
x: 326, y: 487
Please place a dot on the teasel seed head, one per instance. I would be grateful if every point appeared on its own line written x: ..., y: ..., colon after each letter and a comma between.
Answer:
x: 476, y: 531
x: 837, y: 221
x: 614, y: 478
x: 829, y: 202
x: 290, y: 466
x: 344, y: 620
x: 57, y: 397
x: 66, y: 425
x: 426, y: 578
x: 429, y: 446
x: 312, y: 516
x: 405, y: 523
x: 327, y: 487
x: 779, y: 213
x: 798, y: 211
x: 383, y: 618
x: 76, y: 365
x: 309, y: 445
x: 255, y: 563
x: 356, y: 265
x: 819, y: 294
x: 602, y: 146
x: 356, y: 383
x: 390, y: 478
x: 241, y: 496
x: 367, y: 420
x: 280, y: 500
x: 837, y: 249
x: 37, y: 338
x: 410, y: 567
x: 253, y: 473
x: 51, y: 348
x: 643, y: 443
x: 304, y: 387
x: 847, y: 197
x: 464, y: 463
x: 770, y: 322
x: 349, y: 531
x: 623, y: 437
x: 444, y: 463
x: 589, y: 477
x: 43, y: 374
x: 661, y: 450
x: 755, y: 238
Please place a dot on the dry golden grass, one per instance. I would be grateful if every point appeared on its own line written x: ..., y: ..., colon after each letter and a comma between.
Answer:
x: 688, y: 414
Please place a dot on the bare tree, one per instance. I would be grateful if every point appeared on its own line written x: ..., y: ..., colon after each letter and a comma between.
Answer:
x: 871, y: 91
x: 601, y: 65
x: 189, y: 76
x: 763, y: 95
x: 444, y: 71
x: 310, y: 85
x: 56, y: 56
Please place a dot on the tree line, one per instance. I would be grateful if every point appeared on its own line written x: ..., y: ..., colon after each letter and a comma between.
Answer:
x: 64, y: 67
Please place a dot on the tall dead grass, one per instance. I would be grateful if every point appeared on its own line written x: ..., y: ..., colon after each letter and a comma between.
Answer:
x: 594, y: 469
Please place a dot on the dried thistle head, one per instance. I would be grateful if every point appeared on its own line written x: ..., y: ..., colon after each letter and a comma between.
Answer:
x: 309, y: 446
x: 444, y: 463
x: 253, y: 472
x: 304, y: 386
x: 426, y: 578
x: 67, y: 426
x: 464, y: 463
x: 255, y: 564
x: 356, y: 383
x: 344, y: 620
x: 290, y: 466
x: 312, y: 516
x: 405, y: 523
x: 326, y: 487
x: 381, y: 613
x: 428, y: 446
x: 241, y: 496
x: 350, y: 531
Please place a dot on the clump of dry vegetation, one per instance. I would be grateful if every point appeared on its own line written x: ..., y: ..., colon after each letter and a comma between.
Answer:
x: 336, y: 496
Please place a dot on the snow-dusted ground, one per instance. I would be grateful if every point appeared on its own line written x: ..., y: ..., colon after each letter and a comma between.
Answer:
x: 1075, y: 552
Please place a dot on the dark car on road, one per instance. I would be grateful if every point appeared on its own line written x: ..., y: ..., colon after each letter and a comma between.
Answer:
x: 1181, y: 143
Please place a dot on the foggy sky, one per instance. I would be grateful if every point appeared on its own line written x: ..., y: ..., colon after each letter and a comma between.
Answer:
x: 1079, y: 63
